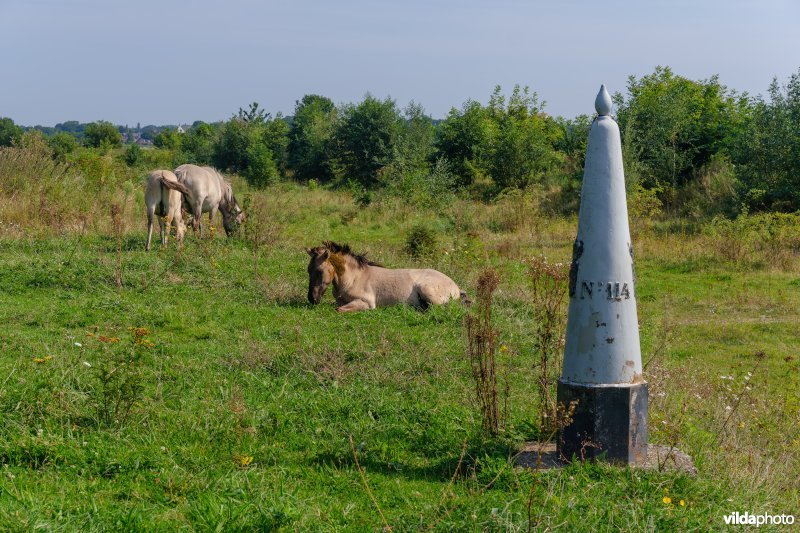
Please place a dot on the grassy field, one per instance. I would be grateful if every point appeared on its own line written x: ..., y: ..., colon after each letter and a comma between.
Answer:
x: 199, y: 390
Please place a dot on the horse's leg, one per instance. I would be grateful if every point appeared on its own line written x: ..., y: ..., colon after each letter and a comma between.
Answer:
x: 197, y: 210
x: 150, y: 214
x: 165, y: 234
x: 211, y: 216
x: 355, y: 305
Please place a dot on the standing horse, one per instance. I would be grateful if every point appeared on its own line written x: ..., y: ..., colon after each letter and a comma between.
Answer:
x: 209, y: 192
x: 163, y: 197
x: 360, y: 284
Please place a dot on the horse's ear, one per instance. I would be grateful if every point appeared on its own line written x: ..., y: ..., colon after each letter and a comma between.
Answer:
x: 310, y: 252
x: 325, y: 254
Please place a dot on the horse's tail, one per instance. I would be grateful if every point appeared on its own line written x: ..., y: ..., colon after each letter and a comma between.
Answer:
x: 175, y: 186
x: 464, y: 298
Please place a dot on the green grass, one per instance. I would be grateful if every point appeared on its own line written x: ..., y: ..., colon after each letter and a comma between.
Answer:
x: 242, y: 367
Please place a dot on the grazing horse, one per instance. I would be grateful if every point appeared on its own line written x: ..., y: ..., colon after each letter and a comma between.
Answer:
x: 209, y: 192
x: 163, y: 197
x: 360, y: 284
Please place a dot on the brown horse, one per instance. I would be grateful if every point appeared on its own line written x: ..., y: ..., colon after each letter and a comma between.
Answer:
x: 360, y: 284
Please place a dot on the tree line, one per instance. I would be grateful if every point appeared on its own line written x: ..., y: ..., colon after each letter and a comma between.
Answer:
x: 695, y: 146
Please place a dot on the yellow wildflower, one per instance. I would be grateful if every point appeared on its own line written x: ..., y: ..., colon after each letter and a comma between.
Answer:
x: 683, y: 503
x: 40, y: 360
x: 667, y: 500
x: 242, y: 460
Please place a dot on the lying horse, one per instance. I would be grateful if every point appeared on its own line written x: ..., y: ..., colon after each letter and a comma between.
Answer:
x: 163, y: 197
x: 360, y: 284
x: 209, y: 192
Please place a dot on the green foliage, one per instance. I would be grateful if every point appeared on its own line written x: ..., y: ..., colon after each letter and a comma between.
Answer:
x: 62, y: 144
x: 275, y: 136
x: 313, y: 126
x: 426, y: 186
x: 768, y: 152
x: 168, y: 139
x: 261, y: 169
x: 102, y: 134
x: 133, y: 155
x: 510, y: 142
x: 367, y: 138
x: 421, y: 241
x: 230, y: 150
x: 116, y: 370
x: 197, y: 144
x: 8, y: 131
x: 253, y: 144
x: 673, y: 127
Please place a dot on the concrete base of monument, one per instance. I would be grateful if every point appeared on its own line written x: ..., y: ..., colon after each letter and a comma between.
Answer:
x: 545, y: 456
x: 607, y: 420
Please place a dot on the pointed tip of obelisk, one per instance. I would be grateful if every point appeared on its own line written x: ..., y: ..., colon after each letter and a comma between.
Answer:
x: 602, y: 103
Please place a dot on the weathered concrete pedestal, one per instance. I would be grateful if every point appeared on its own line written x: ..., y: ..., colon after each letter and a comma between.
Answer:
x: 608, y: 422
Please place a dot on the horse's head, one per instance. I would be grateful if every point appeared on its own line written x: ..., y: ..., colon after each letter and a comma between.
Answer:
x: 232, y: 214
x: 320, y: 273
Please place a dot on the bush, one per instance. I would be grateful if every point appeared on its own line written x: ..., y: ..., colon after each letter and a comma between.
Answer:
x: 62, y: 144
x: 432, y: 186
x: 366, y: 139
x: 102, y: 134
x: 421, y: 241
x: 310, y: 135
x: 133, y: 155
x: 9, y: 131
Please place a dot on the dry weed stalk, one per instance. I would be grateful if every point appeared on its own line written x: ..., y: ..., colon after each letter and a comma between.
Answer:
x: 386, y: 525
x: 118, y: 229
x: 481, y: 346
x: 549, y: 283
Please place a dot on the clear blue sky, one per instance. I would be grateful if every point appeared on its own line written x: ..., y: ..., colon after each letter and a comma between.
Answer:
x: 166, y: 61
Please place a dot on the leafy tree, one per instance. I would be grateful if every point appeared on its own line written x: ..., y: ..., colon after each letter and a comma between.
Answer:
x: 523, y: 150
x: 62, y: 144
x: 309, y: 148
x: 253, y: 114
x: 366, y: 139
x: 767, y: 154
x: 509, y: 143
x: 9, y: 131
x: 261, y: 169
x: 197, y: 144
x: 254, y: 144
x: 102, y: 133
x: 275, y: 135
x: 465, y: 139
x: 168, y: 139
x: 230, y: 150
x: 415, y: 146
x: 672, y: 126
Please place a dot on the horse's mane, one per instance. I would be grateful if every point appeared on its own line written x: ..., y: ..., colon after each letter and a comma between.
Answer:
x: 345, y: 249
x: 227, y: 188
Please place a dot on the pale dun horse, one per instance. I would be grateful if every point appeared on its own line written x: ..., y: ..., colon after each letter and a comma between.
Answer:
x: 360, y: 284
x: 209, y: 192
x: 163, y: 198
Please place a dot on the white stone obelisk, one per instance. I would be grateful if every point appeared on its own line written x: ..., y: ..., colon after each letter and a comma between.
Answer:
x: 602, y: 358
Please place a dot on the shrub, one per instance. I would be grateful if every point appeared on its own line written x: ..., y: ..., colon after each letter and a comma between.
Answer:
x: 421, y: 241
x: 62, y: 144
x: 102, y: 134
x: 133, y: 155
